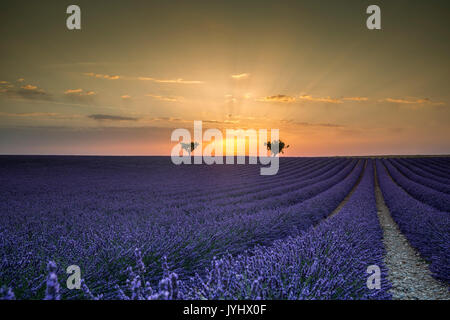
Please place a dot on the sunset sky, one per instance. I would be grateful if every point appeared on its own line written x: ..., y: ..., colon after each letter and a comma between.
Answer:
x: 139, y: 69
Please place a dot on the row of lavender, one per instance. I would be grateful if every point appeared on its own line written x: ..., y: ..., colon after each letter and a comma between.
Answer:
x: 437, y: 167
x: 431, y: 179
x: 76, y: 217
x: 191, y: 239
x: 326, y: 262
x: 436, y: 196
x: 426, y: 228
x: 277, y: 194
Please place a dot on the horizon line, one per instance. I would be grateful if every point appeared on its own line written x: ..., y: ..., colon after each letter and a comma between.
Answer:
x: 247, y: 156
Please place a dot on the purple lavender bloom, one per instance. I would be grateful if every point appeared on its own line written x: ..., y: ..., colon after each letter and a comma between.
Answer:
x: 426, y: 228
x: 6, y: 294
x: 52, y: 291
x: 208, y: 232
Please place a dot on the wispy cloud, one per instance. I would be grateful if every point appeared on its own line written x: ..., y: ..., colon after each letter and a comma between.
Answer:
x: 28, y: 91
x: 223, y: 122
x: 39, y: 115
x: 240, y: 76
x: 168, y: 119
x: 319, y: 99
x: 306, y: 97
x: 79, y: 92
x: 28, y: 114
x: 5, y: 86
x: 411, y: 101
x: 156, y: 80
x: 162, y: 98
x: 126, y: 97
x: 357, y: 99
x: 176, y: 81
x: 29, y: 87
x: 312, y: 124
x: 102, y: 76
x: 278, y: 98
x: 80, y: 95
x: 108, y: 117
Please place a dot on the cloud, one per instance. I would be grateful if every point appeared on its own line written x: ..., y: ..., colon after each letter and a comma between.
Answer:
x: 168, y: 119
x: 357, y: 99
x: 20, y: 80
x: 73, y: 91
x: 79, y: 92
x: 310, y: 124
x: 178, y: 81
x: 411, y: 102
x: 38, y: 115
x: 116, y: 77
x: 305, y: 97
x: 319, y: 99
x: 278, y: 98
x: 240, y: 76
x: 28, y: 114
x: 162, y: 98
x: 80, y: 95
x: 28, y: 91
x: 5, y: 86
x: 101, y: 117
x: 102, y: 76
x: 405, y: 101
x: 222, y: 122
x: 126, y: 97
x: 29, y: 87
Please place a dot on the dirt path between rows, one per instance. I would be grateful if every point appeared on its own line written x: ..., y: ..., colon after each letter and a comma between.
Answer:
x: 407, y: 271
x: 347, y: 197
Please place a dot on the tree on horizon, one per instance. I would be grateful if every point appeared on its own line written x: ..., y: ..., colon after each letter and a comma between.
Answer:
x: 276, y: 147
x: 189, y: 147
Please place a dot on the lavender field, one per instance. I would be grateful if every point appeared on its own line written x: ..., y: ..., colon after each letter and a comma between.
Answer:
x: 143, y: 228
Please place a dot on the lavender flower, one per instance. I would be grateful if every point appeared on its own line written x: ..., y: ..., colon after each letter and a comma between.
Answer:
x: 52, y: 291
x: 145, y: 229
x: 6, y: 294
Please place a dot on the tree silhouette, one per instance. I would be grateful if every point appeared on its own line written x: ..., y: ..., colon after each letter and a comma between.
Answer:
x: 189, y: 147
x: 276, y: 146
